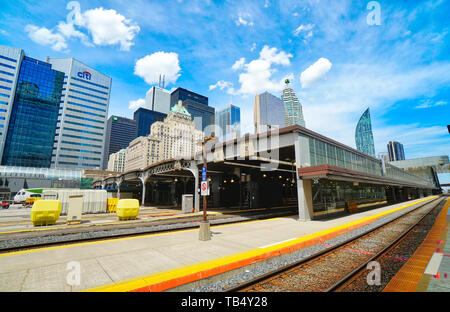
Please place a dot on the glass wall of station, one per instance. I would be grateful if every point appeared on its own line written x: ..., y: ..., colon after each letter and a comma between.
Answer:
x: 322, y: 153
x: 331, y: 196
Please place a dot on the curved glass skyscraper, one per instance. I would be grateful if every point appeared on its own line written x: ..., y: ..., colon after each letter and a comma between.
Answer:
x: 292, y: 107
x: 364, y: 136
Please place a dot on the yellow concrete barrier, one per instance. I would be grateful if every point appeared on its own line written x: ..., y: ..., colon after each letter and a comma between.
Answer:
x: 45, y: 212
x: 127, y: 209
x: 30, y: 200
x: 112, y: 204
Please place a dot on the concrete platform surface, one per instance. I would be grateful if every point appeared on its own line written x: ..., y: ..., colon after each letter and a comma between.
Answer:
x: 122, y: 263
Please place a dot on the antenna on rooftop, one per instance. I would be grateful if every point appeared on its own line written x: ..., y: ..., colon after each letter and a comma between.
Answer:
x: 159, y: 82
x: 164, y: 84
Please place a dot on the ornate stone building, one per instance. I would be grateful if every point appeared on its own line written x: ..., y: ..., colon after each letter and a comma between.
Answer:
x: 116, y: 161
x: 176, y: 136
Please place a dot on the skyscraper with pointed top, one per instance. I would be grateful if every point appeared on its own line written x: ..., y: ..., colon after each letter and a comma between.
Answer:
x: 364, y: 135
x: 292, y: 107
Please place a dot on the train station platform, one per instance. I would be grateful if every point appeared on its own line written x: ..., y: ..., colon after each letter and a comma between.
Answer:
x: 428, y: 269
x: 158, y: 262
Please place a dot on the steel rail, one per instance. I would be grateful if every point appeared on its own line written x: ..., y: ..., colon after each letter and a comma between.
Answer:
x: 320, y: 253
x: 349, y: 277
x: 186, y: 224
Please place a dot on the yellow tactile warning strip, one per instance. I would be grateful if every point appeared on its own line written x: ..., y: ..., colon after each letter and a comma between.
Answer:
x: 171, y: 278
x: 411, y: 273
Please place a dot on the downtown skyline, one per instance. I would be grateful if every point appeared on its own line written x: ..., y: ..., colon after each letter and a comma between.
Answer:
x: 338, y: 64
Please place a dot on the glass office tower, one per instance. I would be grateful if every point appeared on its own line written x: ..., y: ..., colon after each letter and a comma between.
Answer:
x: 32, y: 124
x: 120, y: 131
x: 80, y: 133
x: 145, y: 119
x: 268, y: 111
x: 364, y: 136
x: 229, y: 121
x: 395, y: 150
x: 292, y: 106
x: 197, y: 106
x: 10, y: 59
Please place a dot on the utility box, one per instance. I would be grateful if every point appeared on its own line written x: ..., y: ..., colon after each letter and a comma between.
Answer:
x: 187, y: 203
x: 75, y: 209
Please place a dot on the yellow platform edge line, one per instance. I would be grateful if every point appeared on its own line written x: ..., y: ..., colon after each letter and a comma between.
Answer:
x: 159, y: 277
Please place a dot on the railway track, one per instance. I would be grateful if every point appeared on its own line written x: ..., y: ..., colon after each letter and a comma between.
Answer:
x: 40, y: 239
x: 337, y: 266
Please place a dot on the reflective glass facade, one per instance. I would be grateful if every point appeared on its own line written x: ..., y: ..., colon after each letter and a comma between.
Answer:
x: 34, y: 115
x: 322, y: 153
x: 364, y: 136
x: 395, y: 150
x: 229, y: 121
x: 332, y: 196
x: 292, y: 107
x: 120, y: 132
x: 197, y: 106
x: 268, y: 111
x: 145, y: 119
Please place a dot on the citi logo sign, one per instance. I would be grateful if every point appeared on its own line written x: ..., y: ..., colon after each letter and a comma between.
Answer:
x: 85, y: 75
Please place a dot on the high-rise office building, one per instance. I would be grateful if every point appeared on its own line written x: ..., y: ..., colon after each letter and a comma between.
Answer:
x: 268, y: 111
x: 292, y: 107
x: 196, y: 105
x: 32, y: 123
x: 10, y: 59
x: 120, y: 131
x: 364, y: 136
x: 80, y: 133
x: 158, y: 99
x: 30, y: 92
x: 395, y: 150
x: 229, y: 121
x: 145, y: 118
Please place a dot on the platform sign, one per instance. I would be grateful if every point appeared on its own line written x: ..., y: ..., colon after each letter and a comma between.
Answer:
x: 204, y: 188
x: 203, y: 173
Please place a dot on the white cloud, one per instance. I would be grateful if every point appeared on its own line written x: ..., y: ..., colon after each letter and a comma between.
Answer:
x: 221, y: 84
x: 159, y: 63
x: 239, y: 64
x: 108, y: 27
x: 273, y: 57
x: 266, y: 4
x: 244, y: 19
x: 253, y: 48
x: 257, y: 74
x: 307, y: 29
x: 429, y: 103
x: 136, y: 104
x: 68, y: 31
x: 46, y: 37
x: 224, y: 85
x: 315, y: 72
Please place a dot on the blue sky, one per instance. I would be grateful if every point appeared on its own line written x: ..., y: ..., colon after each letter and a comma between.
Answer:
x: 339, y: 64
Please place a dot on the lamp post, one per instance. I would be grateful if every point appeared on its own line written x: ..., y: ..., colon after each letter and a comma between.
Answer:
x: 205, y: 233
